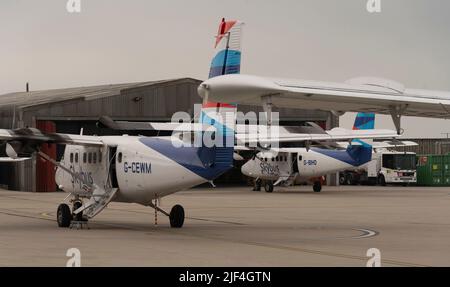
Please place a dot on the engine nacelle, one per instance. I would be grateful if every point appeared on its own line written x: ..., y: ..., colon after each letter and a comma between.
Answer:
x: 16, y: 149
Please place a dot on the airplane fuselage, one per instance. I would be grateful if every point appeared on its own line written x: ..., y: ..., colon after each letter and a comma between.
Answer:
x: 305, y: 164
x: 137, y: 166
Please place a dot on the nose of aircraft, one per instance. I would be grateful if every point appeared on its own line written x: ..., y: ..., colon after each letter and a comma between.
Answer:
x: 246, y: 169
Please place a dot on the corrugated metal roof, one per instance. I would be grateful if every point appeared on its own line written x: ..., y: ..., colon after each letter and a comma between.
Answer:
x: 34, y: 98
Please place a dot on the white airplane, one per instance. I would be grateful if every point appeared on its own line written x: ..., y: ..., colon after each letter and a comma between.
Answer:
x: 96, y: 170
x: 287, y: 165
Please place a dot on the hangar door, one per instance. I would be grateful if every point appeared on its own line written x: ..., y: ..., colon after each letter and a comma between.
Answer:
x: 45, y: 171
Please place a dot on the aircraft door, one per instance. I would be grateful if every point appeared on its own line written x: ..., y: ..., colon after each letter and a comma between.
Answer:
x: 294, y: 161
x: 112, y: 158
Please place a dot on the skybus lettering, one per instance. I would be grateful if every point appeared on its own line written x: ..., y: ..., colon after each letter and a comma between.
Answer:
x: 86, y: 176
x: 137, y: 167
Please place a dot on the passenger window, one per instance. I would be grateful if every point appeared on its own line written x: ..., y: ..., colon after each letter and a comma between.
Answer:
x: 94, y: 157
x: 76, y: 158
x: 119, y: 158
x: 300, y: 157
x: 71, y: 157
x: 99, y: 156
x: 84, y: 157
x: 265, y: 159
x: 90, y: 157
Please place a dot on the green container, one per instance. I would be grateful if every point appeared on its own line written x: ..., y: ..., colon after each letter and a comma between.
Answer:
x: 446, y: 171
x: 433, y: 170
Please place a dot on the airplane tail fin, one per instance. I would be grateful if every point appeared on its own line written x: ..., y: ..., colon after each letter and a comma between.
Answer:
x: 226, y: 60
x: 362, y: 152
x: 227, y: 49
x: 364, y: 121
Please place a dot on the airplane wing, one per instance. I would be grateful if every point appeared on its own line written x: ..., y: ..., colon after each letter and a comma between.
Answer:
x: 23, y: 142
x: 35, y: 135
x: 358, y: 95
x: 336, y: 134
x: 154, y: 126
x: 385, y: 144
x: 8, y: 159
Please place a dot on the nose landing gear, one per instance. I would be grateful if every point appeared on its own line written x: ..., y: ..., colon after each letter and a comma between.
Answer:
x: 257, y: 185
x: 63, y: 215
x: 67, y: 218
x: 268, y: 186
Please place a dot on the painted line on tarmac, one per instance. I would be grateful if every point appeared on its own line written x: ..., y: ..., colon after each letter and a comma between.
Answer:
x: 24, y: 215
x: 310, y: 251
x: 366, y: 233
x: 192, y: 218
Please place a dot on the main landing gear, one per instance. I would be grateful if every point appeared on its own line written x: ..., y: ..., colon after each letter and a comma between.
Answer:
x: 176, y: 215
x: 66, y: 218
x: 317, y: 186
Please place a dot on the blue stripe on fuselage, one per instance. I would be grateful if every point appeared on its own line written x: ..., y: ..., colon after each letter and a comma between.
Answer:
x: 355, y: 155
x: 199, y: 160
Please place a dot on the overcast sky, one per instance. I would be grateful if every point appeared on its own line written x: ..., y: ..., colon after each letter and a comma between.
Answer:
x: 115, y: 41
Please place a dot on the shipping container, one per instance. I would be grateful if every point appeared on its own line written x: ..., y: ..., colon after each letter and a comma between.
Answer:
x: 446, y: 171
x: 433, y: 170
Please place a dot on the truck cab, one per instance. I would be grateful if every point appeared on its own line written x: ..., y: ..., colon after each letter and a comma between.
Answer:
x: 395, y: 167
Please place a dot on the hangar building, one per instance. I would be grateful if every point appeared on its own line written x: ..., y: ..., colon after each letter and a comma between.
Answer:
x: 70, y: 110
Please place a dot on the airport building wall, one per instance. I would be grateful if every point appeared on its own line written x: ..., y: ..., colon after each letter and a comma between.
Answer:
x: 428, y: 146
x: 70, y: 110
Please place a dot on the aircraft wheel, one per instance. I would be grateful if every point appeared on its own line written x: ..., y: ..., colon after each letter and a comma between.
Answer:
x: 79, y: 216
x: 349, y: 179
x: 317, y: 186
x: 63, y: 215
x: 342, y: 180
x: 257, y: 185
x: 268, y: 186
x: 177, y: 216
x: 381, y: 180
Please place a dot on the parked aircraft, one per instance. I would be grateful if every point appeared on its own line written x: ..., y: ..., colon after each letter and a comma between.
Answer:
x: 96, y: 170
x: 287, y: 165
